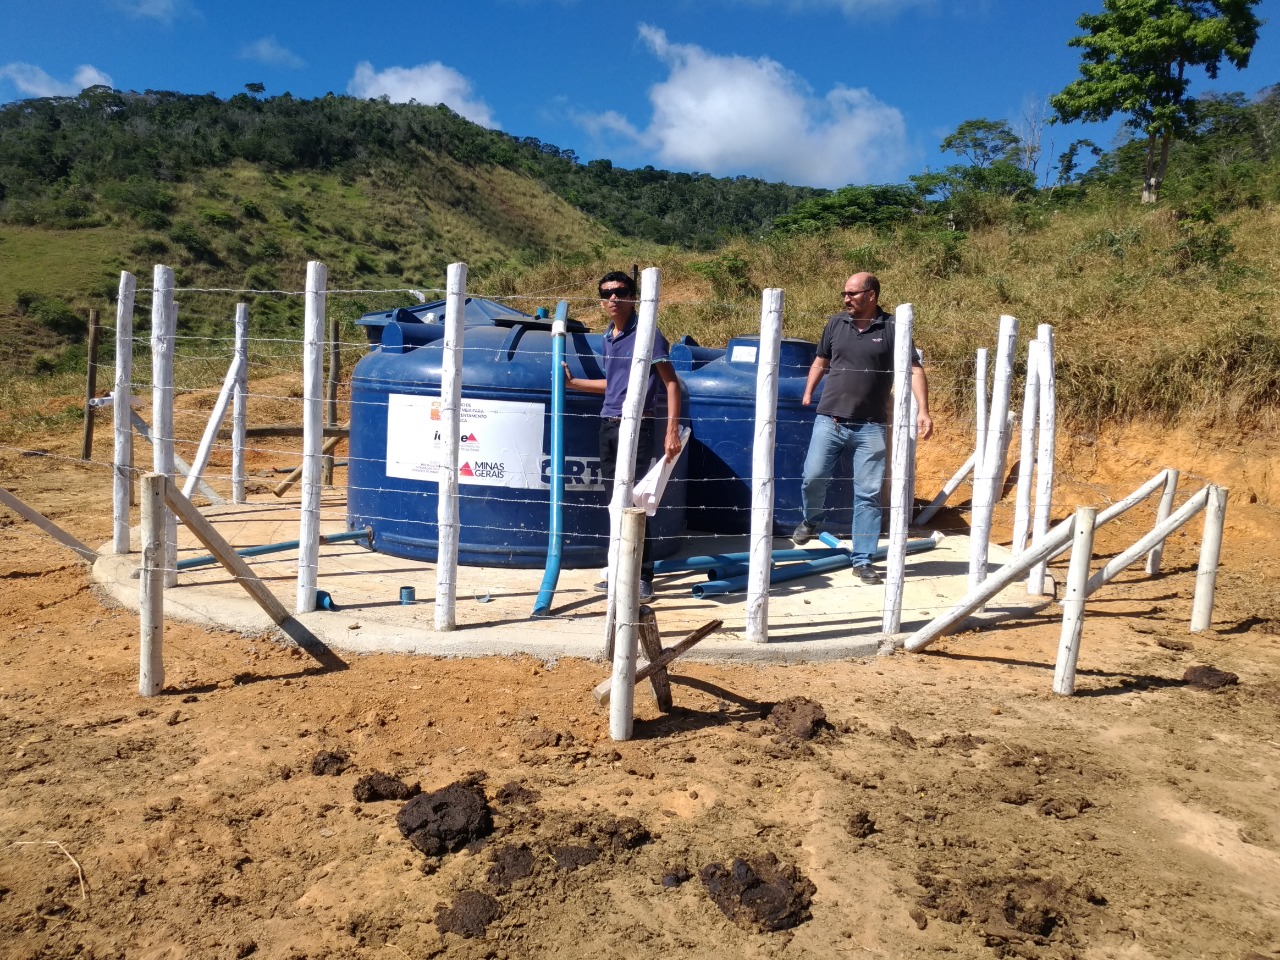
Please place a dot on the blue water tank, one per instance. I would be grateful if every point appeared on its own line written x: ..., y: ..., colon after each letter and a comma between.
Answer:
x: 722, y: 401
x: 505, y: 465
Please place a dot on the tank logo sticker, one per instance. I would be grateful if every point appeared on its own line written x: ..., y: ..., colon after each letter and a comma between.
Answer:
x: 580, y: 473
x: 500, y: 442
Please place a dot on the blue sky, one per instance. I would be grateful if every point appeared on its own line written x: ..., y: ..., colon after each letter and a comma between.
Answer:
x: 818, y: 92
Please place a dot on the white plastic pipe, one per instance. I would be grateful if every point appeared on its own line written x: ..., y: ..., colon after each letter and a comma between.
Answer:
x: 1064, y: 673
x: 151, y: 583
x: 122, y: 473
x: 447, y: 514
x: 312, y: 434
x: 989, y: 473
x: 899, y: 504
x: 211, y: 428
x: 1162, y: 514
x: 239, y: 406
x: 1044, y: 452
x: 762, y: 454
x: 627, y: 584
x: 629, y: 431
x: 1215, y: 515
x: 164, y: 325
x: 1027, y: 451
x: 1054, y: 540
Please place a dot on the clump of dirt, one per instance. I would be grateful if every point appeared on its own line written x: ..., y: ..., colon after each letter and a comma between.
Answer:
x: 510, y: 863
x: 799, y: 717
x: 860, y: 825
x: 1008, y: 910
x: 1209, y: 678
x: 760, y: 893
x: 516, y: 794
x: 1179, y: 646
x: 329, y: 763
x: 446, y: 820
x: 1064, y: 809
x: 377, y: 786
x: 676, y: 877
x: 470, y: 915
x: 572, y: 857
x: 898, y: 735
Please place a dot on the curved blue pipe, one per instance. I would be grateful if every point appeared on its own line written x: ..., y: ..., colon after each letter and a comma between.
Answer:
x: 796, y: 571
x: 718, y: 560
x: 555, y: 532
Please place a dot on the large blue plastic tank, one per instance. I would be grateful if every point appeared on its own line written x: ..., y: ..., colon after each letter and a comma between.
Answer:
x: 722, y: 399
x: 504, y: 490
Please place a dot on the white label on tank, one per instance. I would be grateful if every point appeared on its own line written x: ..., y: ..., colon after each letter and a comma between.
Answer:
x: 742, y: 353
x: 500, y: 441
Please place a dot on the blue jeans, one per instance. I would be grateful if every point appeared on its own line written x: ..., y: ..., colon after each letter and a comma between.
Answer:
x: 866, y: 442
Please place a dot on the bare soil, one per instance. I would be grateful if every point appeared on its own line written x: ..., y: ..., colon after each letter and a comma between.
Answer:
x: 945, y: 803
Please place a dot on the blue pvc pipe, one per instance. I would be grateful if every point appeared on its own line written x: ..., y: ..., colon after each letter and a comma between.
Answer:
x: 796, y: 571
x: 555, y: 532
x: 715, y: 561
x: 204, y: 561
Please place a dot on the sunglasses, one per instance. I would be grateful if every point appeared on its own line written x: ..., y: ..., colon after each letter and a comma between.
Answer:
x: 621, y: 293
x: 854, y: 293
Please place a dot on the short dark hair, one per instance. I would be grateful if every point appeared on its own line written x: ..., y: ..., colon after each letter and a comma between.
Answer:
x: 617, y: 276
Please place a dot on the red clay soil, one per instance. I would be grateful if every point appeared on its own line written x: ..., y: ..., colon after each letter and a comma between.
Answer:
x: 945, y: 803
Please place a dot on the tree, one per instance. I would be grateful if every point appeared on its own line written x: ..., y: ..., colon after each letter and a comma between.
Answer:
x: 1135, y: 59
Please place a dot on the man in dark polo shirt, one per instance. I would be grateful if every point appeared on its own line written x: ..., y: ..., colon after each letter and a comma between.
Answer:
x: 618, y: 301
x: 855, y: 355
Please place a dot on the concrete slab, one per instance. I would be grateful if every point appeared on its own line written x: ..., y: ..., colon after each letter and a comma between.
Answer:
x: 823, y: 617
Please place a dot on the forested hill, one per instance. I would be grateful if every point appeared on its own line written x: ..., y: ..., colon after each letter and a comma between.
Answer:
x: 68, y: 162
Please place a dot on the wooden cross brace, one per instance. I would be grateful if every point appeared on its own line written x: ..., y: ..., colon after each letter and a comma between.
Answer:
x: 658, y: 658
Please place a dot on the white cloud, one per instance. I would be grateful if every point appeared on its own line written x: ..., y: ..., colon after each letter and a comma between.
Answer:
x: 269, y: 51
x: 427, y: 83
x: 34, y: 82
x: 162, y: 10
x: 731, y: 115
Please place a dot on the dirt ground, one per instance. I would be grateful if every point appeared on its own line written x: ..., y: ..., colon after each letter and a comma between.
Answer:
x: 945, y: 803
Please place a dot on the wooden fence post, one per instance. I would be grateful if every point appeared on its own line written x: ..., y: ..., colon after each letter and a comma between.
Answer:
x: 90, y: 386
x: 164, y: 324
x: 1044, y: 452
x: 239, y: 405
x: 1215, y: 513
x: 762, y: 478
x: 899, y: 500
x: 151, y: 582
x: 627, y: 585
x: 1077, y: 591
x: 334, y: 375
x: 447, y: 513
x: 988, y: 471
x: 1162, y: 514
x: 1027, y: 451
x: 121, y: 408
x: 312, y: 435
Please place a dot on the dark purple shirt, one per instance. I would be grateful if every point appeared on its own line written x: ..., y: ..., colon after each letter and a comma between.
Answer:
x: 618, y: 351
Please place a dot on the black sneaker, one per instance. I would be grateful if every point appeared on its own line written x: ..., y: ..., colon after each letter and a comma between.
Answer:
x: 646, y: 591
x: 803, y: 533
x: 602, y: 586
x: 867, y: 574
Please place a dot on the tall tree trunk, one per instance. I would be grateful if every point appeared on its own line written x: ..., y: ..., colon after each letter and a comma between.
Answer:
x: 1151, y: 182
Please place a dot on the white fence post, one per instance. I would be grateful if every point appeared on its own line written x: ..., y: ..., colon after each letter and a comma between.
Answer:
x: 762, y: 478
x: 1027, y: 451
x: 219, y: 410
x: 1215, y: 513
x: 1053, y: 542
x: 903, y: 448
x: 151, y: 582
x: 312, y: 434
x: 980, y: 409
x: 1144, y: 543
x: 164, y: 323
x: 1077, y: 591
x: 626, y: 582
x: 948, y: 489
x: 988, y: 474
x: 447, y: 512
x: 122, y: 406
x: 239, y: 406
x: 1044, y: 451
x: 1162, y: 514
x: 624, y: 476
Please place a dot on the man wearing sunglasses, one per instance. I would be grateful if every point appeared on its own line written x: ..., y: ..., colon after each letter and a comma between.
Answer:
x: 618, y: 301
x: 855, y: 356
